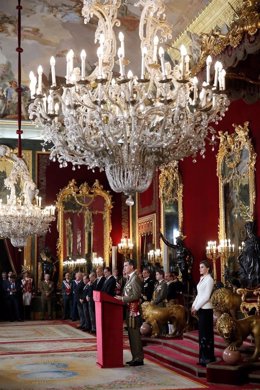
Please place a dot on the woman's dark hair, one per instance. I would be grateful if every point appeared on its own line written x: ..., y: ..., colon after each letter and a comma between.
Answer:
x: 207, y: 264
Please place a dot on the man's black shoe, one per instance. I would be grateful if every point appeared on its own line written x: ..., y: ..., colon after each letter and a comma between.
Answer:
x: 136, y: 363
x: 130, y: 361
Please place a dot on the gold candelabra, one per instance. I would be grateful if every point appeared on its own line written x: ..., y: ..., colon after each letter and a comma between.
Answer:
x: 213, y: 254
x: 154, y: 256
x: 125, y: 247
x: 223, y: 251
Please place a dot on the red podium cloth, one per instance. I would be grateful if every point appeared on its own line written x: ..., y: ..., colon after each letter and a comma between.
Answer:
x: 109, y: 328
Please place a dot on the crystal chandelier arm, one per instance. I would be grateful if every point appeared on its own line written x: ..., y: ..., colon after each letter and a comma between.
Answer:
x: 152, y: 22
x: 107, y: 19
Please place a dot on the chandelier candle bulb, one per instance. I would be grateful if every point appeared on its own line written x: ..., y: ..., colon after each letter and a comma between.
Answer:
x: 39, y: 88
x: 121, y: 65
x: 220, y: 67
x: 195, y: 89
x: 183, y: 55
x: 144, y: 52
x: 33, y: 82
x: 155, y: 47
x: 69, y: 59
x: 223, y: 80
x: 100, y: 61
x: 56, y: 108
x: 217, y: 66
x: 50, y: 105
x: 53, y: 76
x: 208, y: 65
x: 187, y: 64
x: 161, y: 55
x: 83, y: 56
x: 122, y: 41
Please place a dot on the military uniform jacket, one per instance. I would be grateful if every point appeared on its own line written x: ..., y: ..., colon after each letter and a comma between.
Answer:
x: 160, y: 293
x: 133, y: 289
x: 47, y: 288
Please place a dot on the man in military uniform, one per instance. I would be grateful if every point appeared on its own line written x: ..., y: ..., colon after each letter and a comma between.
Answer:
x: 160, y: 290
x: 131, y: 296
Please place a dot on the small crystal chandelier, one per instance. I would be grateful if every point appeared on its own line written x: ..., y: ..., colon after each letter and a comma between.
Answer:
x: 122, y: 123
x: 22, y: 215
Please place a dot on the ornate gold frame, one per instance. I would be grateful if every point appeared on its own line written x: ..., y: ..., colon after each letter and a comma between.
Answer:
x: 145, y: 225
x: 170, y: 190
x: 230, y: 152
x: 233, y: 144
x: 91, y: 192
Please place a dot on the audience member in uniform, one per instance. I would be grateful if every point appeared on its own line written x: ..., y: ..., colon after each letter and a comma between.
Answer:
x: 27, y: 287
x: 160, y: 290
x: 47, y: 289
x: 67, y: 296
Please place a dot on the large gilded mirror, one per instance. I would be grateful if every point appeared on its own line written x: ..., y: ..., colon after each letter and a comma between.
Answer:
x: 171, y: 193
x: 236, y: 172
x: 84, y: 223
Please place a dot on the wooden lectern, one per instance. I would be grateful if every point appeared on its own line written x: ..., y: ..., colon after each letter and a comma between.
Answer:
x: 109, y: 329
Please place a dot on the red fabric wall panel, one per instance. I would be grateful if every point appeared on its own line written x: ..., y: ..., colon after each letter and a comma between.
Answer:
x: 52, y: 178
x: 201, y: 192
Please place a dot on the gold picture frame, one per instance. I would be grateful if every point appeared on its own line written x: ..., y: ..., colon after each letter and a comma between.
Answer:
x: 236, y: 174
x: 90, y: 201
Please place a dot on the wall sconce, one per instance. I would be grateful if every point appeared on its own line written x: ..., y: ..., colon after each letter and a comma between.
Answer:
x: 125, y: 247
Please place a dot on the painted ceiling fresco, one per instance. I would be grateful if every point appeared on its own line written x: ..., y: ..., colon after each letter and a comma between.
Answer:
x: 52, y: 27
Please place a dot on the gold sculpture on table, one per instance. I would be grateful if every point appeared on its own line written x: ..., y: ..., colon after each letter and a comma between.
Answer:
x: 157, y: 317
x: 235, y: 332
x: 224, y: 251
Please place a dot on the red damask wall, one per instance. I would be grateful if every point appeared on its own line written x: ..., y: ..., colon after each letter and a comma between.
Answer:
x: 51, y: 179
x: 200, y: 186
x: 200, y: 193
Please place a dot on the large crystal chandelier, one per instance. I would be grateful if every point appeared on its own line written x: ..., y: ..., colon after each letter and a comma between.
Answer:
x: 122, y: 123
x: 22, y: 214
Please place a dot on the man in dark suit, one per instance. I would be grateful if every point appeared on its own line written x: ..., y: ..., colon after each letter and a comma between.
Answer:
x: 148, y: 286
x: 109, y: 285
x: 100, y: 280
x: 77, y: 286
x: 175, y: 288
x: 131, y: 296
